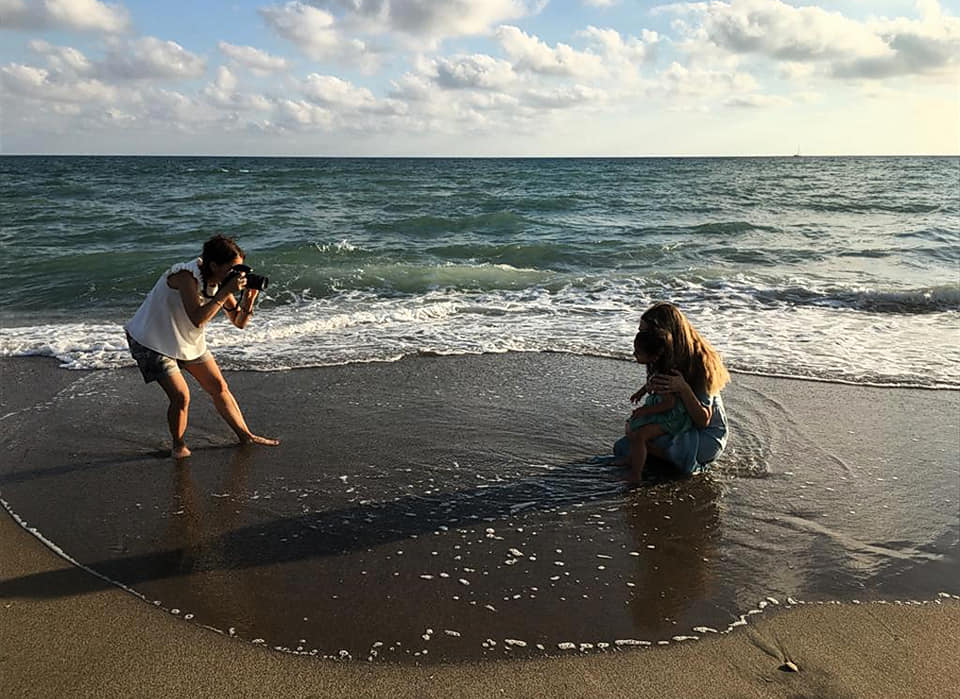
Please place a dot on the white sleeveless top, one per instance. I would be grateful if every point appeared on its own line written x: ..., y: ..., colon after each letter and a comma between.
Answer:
x: 162, y: 324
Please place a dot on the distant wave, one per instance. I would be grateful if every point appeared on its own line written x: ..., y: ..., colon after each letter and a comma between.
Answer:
x: 505, y: 221
x: 874, y: 206
x: 930, y: 300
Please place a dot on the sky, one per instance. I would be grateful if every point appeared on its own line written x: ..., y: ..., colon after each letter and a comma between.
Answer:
x: 480, y: 77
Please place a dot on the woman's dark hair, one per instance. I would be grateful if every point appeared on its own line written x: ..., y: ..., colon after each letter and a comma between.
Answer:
x: 655, y: 342
x: 219, y: 249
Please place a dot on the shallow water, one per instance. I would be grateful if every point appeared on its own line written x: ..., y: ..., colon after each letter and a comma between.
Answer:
x: 438, y: 508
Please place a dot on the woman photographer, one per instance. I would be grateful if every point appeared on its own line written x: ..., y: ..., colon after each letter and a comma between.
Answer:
x: 167, y: 334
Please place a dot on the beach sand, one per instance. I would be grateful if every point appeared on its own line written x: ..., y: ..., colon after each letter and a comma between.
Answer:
x: 107, y: 643
x: 66, y: 633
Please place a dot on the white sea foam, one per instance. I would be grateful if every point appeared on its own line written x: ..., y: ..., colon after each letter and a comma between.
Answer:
x: 811, y: 341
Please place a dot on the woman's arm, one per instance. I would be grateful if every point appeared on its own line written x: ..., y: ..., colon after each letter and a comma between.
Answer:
x: 198, y: 312
x: 674, y: 383
x: 240, y: 313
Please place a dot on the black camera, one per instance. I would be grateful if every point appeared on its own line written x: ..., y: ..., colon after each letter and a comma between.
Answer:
x: 254, y: 281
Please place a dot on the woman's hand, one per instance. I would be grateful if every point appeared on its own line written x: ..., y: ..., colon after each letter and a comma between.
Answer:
x: 236, y: 283
x: 674, y: 384
x: 669, y: 383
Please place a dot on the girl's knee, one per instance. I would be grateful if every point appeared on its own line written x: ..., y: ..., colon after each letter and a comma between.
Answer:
x: 649, y: 432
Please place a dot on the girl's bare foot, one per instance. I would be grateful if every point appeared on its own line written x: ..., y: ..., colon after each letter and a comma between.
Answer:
x: 179, y: 451
x: 256, y: 439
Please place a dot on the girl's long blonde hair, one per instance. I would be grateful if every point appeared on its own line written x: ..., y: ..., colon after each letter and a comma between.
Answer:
x: 701, y: 365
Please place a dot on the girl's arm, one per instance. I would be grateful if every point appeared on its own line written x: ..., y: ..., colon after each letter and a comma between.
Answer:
x: 674, y: 384
x: 638, y: 396
x: 665, y: 404
x: 198, y: 312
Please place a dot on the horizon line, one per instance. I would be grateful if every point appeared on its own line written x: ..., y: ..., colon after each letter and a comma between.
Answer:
x: 481, y: 157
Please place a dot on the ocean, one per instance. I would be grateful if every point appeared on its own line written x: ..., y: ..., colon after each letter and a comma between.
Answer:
x: 838, y: 269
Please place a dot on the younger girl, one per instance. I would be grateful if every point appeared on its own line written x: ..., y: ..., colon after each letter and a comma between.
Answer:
x: 661, y: 413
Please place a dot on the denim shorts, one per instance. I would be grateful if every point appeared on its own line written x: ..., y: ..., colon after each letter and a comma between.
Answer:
x: 154, y: 365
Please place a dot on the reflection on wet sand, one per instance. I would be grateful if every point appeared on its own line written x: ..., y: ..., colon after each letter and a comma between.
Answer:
x: 676, y: 529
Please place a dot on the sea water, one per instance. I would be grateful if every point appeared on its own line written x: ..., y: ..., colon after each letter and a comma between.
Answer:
x: 841, y: 269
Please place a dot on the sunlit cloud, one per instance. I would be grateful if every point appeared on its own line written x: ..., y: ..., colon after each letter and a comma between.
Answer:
x: 79, y: 15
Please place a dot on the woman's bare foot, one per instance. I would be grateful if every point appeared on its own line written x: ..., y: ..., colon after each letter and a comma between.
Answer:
x: 256, y: 439
x: 180, y: 451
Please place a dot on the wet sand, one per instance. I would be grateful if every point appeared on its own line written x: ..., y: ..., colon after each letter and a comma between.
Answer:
x: 418, y: 457
x: 106, y: 643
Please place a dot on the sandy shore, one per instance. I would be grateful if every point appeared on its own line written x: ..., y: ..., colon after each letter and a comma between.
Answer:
x: 65, y: 633
x: 109, y: 644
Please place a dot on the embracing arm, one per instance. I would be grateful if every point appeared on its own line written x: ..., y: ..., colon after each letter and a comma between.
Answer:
x: 674, y: 384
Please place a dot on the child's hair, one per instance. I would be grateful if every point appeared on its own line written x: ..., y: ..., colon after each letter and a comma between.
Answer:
x: 701, y: 365
x: 656, y: 343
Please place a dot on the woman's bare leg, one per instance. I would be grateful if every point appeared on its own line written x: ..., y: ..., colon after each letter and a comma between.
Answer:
x: 178, y: 393
x: 210, y: 378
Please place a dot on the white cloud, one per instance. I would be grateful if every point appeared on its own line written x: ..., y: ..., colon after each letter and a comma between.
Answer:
x: 756, y: 101
x: 147, y: 58
x: 256, y: 60
x: 329, y: 90
x: 140, y: 59
x: 301, y: 114
x: 41, y: 84
x: 492, y: 101
x: 927, y: 47
x: 796, y: 71
x: 433, y: 20
x: 529, y: 53
x: 63, y: 59
x: 311, y: 29
x: 873, y: 49
x: 778, y: 30
x: 413, y: 87
x: 343, y: 100
x: 600, y: 3
x: 80, y: 15
x: 679, y: 80
x: 476, y: 71
x: 315, y: 32
x: 223, y: 94
x: 613, y: 46
x: 564, y: 97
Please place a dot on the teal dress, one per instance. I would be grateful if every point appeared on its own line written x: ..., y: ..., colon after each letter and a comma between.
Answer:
x: 673, y: 422
x: 694, y: 450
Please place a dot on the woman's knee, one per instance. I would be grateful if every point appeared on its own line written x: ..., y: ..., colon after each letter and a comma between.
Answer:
x: 216, y: 387
x: 179, y: 399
